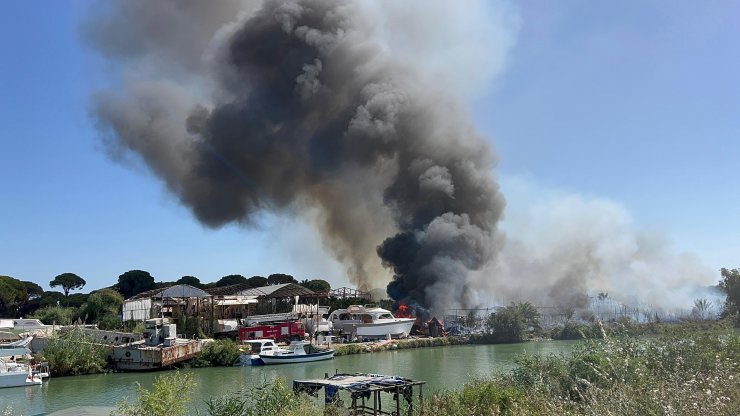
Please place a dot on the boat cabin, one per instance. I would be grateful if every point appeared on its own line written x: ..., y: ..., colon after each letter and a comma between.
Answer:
x: 258, y: 346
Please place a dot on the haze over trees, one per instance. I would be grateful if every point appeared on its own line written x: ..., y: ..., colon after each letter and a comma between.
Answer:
x: 103, y: 307
x: 68, y: 281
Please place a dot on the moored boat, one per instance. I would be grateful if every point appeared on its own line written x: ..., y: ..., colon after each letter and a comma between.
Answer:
x: 15, y: 374
x: 296, y: 352
x: 257, y: 347
x: 370, y: 321
x: 160, y: 348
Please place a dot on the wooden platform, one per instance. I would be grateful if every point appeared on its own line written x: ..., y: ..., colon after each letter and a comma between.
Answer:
x: 361, y: 387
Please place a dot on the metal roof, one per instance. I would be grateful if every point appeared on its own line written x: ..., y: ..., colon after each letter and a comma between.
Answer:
x: 283, y: 290
x: 174, y: 291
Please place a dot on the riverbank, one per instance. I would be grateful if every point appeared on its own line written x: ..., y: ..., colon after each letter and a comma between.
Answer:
x: 396, y: 344
x: 676, y: 375
x: 65, y: 358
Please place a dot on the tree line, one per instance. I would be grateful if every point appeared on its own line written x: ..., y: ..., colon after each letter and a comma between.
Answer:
x: 20, y: 298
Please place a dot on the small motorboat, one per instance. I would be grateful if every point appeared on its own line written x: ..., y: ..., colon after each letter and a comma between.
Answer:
x: 256, y: 347
x: 296, y: 352
x: 16, y: 374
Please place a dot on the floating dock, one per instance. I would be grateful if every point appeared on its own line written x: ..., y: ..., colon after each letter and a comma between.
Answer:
x: 364, y: 390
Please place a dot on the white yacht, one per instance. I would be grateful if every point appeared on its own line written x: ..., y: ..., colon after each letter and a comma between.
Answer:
x: 370, y: 321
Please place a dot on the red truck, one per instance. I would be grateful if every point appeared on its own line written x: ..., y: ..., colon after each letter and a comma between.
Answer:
x: 278, y: 331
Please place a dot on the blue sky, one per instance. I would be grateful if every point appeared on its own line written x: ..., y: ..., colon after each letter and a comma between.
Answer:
x: 633, y: 102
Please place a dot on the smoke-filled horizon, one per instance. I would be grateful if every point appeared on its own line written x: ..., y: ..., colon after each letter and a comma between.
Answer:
x: 297, y: 108
x: 300, y: 108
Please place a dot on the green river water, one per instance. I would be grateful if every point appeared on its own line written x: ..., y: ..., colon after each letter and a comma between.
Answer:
x: 440, y: 367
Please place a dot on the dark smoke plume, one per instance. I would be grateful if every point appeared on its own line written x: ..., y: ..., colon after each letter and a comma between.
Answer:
x: 293, y: 107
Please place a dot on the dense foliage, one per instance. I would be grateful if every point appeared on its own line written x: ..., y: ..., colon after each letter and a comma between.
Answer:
x: 190, y: 280
x: 232, y: 279
x: 267, y: 399
x: 730, y: 284
x: 511, y: 323
x: 134, y: 282
x: 12, y: 296
x: 170, y: 396
x: 72, y: 352
x: 56, y: 315
x: 68, y: 281
x: 678, y: 375
x: 218, y: 353
x: 317, y: 285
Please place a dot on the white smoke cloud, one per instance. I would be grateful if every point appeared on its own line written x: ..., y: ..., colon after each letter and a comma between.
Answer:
x: 561, y: 246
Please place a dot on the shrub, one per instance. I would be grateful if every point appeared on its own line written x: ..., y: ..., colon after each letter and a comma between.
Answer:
x: 56, y: 315
x: 110, y: 322
x: 266, y: 399
x: 682, y: 374
x: 218, y: 353
x: 169, y: 396
x: 72, y: 352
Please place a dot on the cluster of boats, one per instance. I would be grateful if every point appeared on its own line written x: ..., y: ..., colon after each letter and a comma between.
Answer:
x: 355, y: 322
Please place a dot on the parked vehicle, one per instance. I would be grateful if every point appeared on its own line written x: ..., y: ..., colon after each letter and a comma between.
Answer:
x: 278, y: 331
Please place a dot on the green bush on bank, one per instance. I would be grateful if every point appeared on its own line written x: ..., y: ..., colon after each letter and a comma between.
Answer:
x: 678, y: 374
x: 218, y: 353
x: 56, y: 315
x: 170, y: 396
x: 72, y: 352
x: 271, y: 398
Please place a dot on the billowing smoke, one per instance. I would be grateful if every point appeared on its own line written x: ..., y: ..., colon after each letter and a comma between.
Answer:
x: 341, y: 113
x: 293, y: 106
x: 563, y: 250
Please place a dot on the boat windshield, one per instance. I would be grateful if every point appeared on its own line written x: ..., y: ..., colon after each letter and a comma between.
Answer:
x: 258, y: 347
x: 385, y: 316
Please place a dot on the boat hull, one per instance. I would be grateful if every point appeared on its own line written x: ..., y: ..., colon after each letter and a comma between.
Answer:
x: 397, y: 327
x: 289, y: 358
x: 250, y: 359
x: 19, y: 379
x: 137, y: 357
